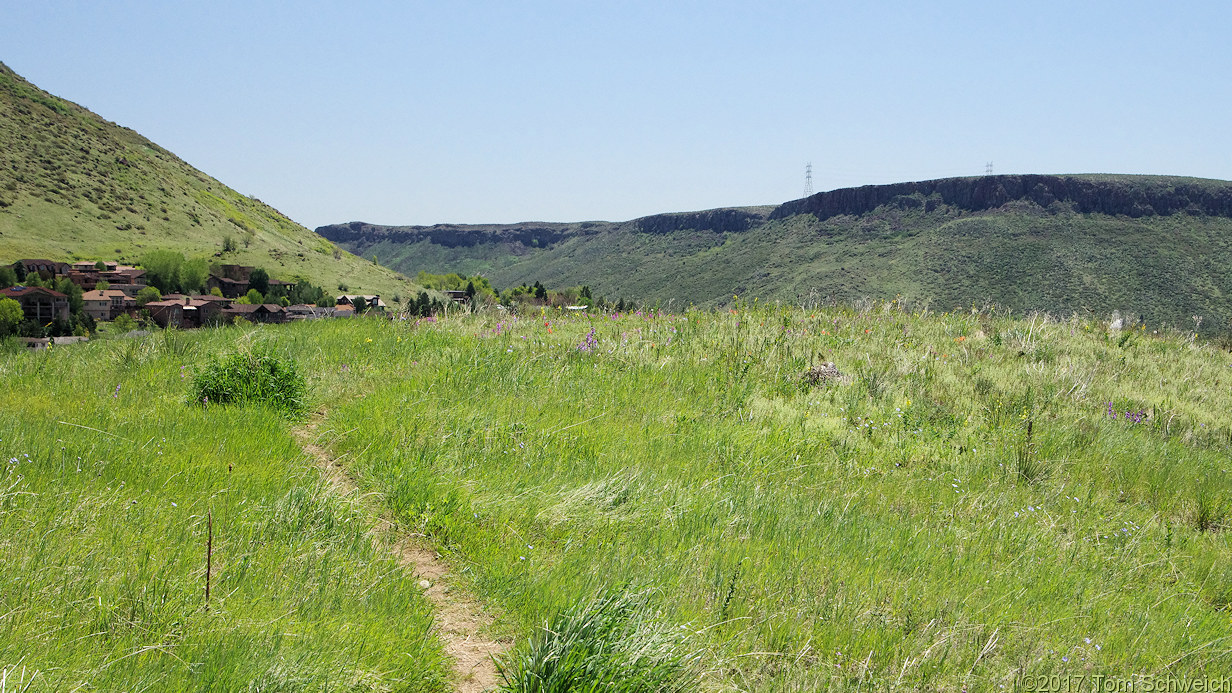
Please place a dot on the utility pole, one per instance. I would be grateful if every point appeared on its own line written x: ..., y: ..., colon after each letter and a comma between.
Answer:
x: 808, y: 179
x: 988, y: 169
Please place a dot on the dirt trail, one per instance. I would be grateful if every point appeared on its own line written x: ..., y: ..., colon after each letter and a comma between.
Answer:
x: 461, y: 620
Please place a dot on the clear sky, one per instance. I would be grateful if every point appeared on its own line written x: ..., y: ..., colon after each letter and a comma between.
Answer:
x: 431, y: 112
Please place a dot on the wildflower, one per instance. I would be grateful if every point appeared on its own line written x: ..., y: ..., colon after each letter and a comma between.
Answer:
x: 590, y: 343
x: 116, y: 395
x: 368, y: 340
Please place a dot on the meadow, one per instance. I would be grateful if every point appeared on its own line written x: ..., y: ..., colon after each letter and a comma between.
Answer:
x: 965, y: 501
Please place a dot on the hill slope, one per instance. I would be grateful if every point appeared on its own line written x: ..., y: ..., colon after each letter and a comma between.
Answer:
x: 73, y: 185
x: 1157, y: 247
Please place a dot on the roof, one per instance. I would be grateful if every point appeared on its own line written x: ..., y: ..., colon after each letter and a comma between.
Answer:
x: 103, y: 294
x: 19, y: 291
x: 39, y: 263
x: 254, y: 307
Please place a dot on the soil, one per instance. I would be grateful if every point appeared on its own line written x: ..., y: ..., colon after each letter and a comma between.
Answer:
x: 462, y: 622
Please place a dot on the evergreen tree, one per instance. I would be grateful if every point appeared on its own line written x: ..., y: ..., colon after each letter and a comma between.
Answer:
x: 259, y: 280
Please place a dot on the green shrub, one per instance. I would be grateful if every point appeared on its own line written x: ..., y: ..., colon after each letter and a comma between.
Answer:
x: 610, y: 643
x: 251, y: 378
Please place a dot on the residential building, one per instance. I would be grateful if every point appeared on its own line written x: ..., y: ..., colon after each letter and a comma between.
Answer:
x: 107, y: 304
x: 40, y: 304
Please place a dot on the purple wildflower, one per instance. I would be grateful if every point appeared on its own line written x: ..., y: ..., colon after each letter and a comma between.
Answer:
x: 590, y: 343
x: 116, y: 394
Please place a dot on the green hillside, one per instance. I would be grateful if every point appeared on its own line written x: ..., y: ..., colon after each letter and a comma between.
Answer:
x: 1157, y: 248
x: 74, y: 186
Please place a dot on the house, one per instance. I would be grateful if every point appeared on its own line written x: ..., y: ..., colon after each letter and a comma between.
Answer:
x: 264, y: 313
x: 169, y: 313
x: 279, y: 287
x: 373, y: 302
x: 92, y: 266
x: 230, y: 288
x: 39, y: 304
x: 304, y: 311
x: 125, y: 275
x: 107, y: 304
x: 45, y: 269
x: 87, y: 279
x: 209, y: 309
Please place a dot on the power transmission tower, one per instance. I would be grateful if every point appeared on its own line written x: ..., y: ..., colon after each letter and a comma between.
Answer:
x: 808, y: 179
x: 988, y: 169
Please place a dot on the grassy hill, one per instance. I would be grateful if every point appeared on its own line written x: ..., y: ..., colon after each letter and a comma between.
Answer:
x: 967, y: 501
x: 1154, y: 247
x: 74, y: 186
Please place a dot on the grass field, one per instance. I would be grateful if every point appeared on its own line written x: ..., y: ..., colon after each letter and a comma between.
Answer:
x: 972, y: 502
x: 108, y: 478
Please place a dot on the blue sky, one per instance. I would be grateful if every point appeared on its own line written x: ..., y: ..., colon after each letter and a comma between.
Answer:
x: 473, y: 112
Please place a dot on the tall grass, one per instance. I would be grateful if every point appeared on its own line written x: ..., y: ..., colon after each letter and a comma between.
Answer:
x: 610, y: 642
x: 961, y: 510
x: 958, y: 509
x: 106, y: 478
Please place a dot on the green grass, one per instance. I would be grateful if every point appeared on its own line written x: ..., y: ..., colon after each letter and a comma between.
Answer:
x: 107, y: 478
x: 897, y: 529
x: 74, y: 186
x: 957, y: 509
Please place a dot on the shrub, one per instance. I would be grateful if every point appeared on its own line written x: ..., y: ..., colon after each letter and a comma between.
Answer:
x: 609, y: 643
x: 251, y: 378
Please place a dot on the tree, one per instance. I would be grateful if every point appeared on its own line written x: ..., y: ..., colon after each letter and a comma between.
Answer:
x: 100, y: 266
x: 259, y: 280
x: 228, y: 244
x: 162, y: 269
x: 7, y: 277
x: 68, y: 288
x: 585, y: 293
x: 541, y: 292
x: 124, y: 323
x: 10, y: 316
x: 470, y: 290
x: 360, y: 304
x: 149, y: 293
x: 102, y: 285
x: 254, y: 297
x: 193, y: 274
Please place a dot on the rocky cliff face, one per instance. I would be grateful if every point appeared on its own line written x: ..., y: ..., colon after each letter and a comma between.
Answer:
x: 721, y: 220
x: 359, y: 235
x: 1114, y: 196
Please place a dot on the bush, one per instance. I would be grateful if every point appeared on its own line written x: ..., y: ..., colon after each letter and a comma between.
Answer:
x: 246, y: 378
x: 609, y: 643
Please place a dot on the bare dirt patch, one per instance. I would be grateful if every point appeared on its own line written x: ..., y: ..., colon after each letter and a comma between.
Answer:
x: 463, y: 623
